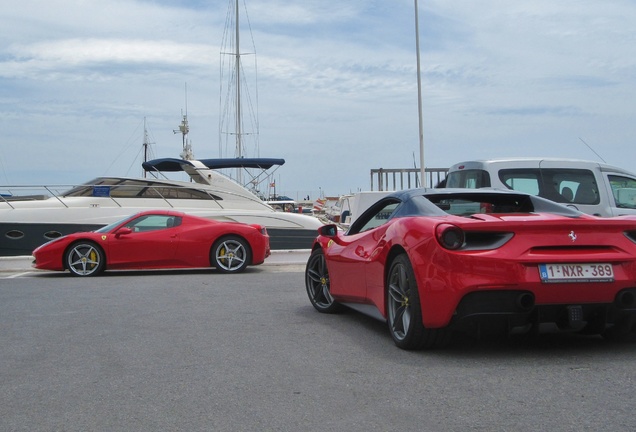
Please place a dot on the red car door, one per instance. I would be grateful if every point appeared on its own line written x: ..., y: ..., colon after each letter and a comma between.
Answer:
x: 346, y: 268
x: 349, y: 271
x: 149, y: 241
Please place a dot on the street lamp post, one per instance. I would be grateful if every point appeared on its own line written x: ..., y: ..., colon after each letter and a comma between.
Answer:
x: 419, y: 97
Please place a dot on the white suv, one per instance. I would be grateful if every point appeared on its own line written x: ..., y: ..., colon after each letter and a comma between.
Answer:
x: 590, y: 187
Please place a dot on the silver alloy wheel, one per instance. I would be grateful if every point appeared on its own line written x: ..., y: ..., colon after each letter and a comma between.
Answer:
x: 84, y: 259
x: 399, y: 307
x: 230, y: 255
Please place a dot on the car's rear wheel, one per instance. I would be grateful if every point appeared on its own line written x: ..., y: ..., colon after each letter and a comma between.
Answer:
x: 84, y: 259
x: 404, y: 313
x: 318, y: 285
x: 230, y: 254
x: 622, y: 331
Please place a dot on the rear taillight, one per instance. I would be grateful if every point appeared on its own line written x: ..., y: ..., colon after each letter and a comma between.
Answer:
x: 450, y: 236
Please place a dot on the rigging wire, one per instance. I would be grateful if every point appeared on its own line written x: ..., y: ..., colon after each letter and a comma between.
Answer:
x: 133, y: 140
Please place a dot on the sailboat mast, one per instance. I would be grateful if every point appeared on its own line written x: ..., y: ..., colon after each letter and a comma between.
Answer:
x: 234, y: 129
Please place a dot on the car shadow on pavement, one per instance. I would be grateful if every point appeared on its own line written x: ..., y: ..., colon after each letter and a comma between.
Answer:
x: 367, y: 331
x: 153, y: 272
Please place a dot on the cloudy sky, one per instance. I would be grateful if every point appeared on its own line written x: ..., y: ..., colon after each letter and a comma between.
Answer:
x: 336, y: 90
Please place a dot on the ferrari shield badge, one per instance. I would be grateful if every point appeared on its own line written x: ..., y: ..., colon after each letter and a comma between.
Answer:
x: 103, y: 237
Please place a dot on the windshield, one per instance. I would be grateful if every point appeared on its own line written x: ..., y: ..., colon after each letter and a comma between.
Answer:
x: 117, y: 188
x: 108, y: 228
x: 467, y: 204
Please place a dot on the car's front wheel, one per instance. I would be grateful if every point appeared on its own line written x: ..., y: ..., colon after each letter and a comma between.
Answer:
x: 404, y: 313
x: 230, y: 254
x: 318, y: 285
x: 84, y: 259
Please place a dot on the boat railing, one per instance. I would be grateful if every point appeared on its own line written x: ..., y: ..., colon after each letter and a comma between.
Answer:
x: 405, y: 178
x: 9, y: 194
x: 20, y: 193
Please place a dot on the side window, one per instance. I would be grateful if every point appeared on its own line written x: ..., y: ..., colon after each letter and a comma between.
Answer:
x: 568, y: 185
x: 566, y: 189
x: 577, y: 186
x: 380, y: 218
x: 624, y: 191
x: 377, y: 215
x: 521, y: 180
x: 153, y: 223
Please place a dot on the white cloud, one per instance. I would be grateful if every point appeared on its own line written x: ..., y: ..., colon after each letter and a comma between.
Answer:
x: 337, y: 89
x: 38, y: 60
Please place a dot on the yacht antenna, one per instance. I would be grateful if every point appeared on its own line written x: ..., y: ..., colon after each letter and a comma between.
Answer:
x: 146, y: 144
x: 184, y: 129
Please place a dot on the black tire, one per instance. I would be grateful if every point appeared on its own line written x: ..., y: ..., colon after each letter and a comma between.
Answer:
x: 404, y: 312
x: 84, y: 258
x: 622, y: 331
x: 318, y: 285
x: 230, y: 254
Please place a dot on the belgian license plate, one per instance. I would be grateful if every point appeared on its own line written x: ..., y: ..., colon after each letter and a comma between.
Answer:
x: 559, y: 273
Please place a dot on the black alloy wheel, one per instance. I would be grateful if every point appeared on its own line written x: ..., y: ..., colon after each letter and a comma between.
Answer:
x: 404, y: 313
x: 317, y: 283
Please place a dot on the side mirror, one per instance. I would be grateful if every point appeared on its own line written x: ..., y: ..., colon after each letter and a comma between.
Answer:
x: 123, y: 231
x: 328, y: 230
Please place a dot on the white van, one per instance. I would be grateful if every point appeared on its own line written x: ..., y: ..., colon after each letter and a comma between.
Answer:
x: 591, y: 187
x: 353, y: 205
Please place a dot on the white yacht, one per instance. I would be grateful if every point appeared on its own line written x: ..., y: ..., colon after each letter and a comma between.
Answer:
x: 29, y: 221
x: 29, y: 218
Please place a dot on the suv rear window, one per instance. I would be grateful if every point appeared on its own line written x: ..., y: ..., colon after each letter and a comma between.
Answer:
x: 471, y: 179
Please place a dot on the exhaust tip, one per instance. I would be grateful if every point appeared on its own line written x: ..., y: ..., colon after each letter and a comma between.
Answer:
x: 525, y: 302
x: 626, y: 299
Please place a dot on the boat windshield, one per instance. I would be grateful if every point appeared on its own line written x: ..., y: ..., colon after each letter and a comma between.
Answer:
x: 130, y: 188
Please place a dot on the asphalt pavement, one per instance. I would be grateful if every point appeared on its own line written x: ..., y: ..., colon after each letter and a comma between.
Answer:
x: 206, y: 351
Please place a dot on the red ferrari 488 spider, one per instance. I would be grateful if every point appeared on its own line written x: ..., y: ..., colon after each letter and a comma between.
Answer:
x: 157, y: 240
x: 432, y: 261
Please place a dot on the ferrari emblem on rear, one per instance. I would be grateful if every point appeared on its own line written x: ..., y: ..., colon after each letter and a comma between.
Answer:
x: 572, y: 236
x: 103, y: 237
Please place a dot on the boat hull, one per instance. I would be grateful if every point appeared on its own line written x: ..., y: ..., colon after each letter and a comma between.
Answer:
x: 29, y: 236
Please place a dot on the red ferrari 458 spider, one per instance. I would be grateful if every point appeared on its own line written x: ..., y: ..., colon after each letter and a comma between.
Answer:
x: 432, y: 261
x: 157, y: 240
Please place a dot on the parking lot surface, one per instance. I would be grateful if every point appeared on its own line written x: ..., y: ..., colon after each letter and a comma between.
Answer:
x: 203, y: 351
